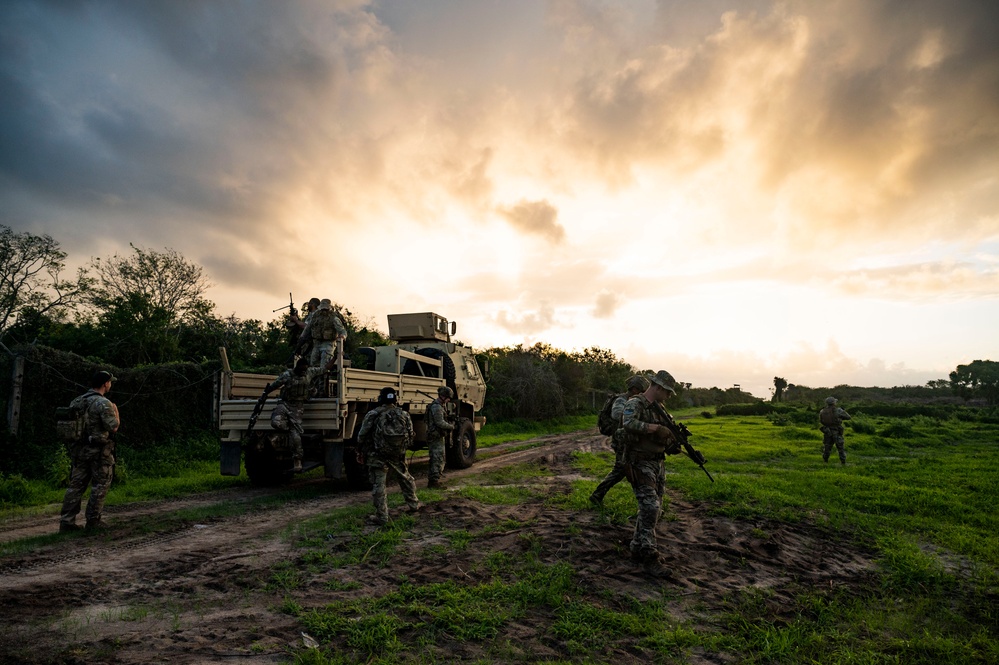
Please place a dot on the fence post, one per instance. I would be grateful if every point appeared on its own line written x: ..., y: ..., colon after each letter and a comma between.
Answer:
x: 14, y: 406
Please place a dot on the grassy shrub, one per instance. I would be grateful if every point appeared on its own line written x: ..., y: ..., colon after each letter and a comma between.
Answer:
x: 755, y: 409
x: 14, y: 491
x: 898, y: 429
x: 862, y: 425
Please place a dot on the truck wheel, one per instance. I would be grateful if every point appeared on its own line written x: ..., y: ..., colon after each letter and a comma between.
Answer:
x: 264, y: 467
x: 461, y: 454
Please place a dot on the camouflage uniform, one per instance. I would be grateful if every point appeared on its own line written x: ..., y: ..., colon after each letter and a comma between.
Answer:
x: 323, y: 327
x: 644, y: 459
x: 296, y: 389
x: 438, y: 427
x: 93, y: 461
x: 618, y: 472
x: 831, y: 418
x: 379, y: 464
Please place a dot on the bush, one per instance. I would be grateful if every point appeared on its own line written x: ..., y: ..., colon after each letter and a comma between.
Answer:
x: 862, y: 425
x: 897, y: 429
x: 760, y: 408
x: 14, y: 490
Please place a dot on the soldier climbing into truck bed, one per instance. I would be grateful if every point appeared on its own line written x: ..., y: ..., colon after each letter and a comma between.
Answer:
x: 323, y: 329
x: 297, y: 387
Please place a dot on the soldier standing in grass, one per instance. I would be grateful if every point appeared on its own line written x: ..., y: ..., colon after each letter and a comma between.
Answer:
x: 831, y: 418
x: 385, y: 434
x: 647, y: 441
x: 438, y: 426
x: 635, y: 386
x: 92, y: 455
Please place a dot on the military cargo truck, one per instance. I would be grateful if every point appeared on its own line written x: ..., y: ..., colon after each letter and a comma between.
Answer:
x: 422, y: 359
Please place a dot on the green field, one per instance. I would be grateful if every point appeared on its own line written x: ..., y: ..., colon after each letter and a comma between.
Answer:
x: 918, y: 493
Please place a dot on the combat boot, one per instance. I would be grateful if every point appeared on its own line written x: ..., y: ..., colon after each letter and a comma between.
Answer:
x: 297, y: 466
x: 96, y: 525
x: 70, y: 527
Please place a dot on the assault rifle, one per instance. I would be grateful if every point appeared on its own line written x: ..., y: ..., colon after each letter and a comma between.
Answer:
x: 258, y: 407
x: 682, y: 435
x: 290, y: 306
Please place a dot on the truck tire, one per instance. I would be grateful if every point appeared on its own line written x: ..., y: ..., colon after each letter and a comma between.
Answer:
x: 411, y: 367
x: 264, y: 467
x: 461, y: 454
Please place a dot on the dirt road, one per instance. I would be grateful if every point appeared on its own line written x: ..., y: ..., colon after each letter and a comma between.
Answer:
x: 157, y: 588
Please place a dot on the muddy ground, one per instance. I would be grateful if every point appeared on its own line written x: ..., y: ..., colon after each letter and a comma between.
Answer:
x: 203, y: 592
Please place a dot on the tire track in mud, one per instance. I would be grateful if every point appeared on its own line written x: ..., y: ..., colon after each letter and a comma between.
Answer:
x: 114, y: 549
x: 208, y: 587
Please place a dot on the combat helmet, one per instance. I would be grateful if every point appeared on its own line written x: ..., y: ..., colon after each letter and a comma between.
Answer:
x: 388, y: 395
x: 445, y: 392
x: 830, y: 401
x: 637, y: 382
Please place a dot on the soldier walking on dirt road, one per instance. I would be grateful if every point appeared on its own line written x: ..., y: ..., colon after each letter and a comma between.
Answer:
x: 647, y: 440
x: 635, y: 386
x: 386, y: 432
x: 92, y: 455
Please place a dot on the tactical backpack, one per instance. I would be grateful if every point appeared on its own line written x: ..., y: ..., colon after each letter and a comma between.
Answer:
x: 71, y: 421
x: 391, y: 432
x: 605, y: 421
x: 298, y: 389
x: 324, y: 325
x: 828, y: 417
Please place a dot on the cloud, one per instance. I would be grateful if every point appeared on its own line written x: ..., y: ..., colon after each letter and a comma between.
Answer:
x: 527, y: 323
x: 606, y: 305
x: 535, y: 217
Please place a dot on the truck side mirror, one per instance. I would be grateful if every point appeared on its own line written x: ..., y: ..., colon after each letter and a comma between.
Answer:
x: 454, y: 327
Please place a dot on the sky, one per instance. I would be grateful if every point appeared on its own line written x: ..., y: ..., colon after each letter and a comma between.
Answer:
x: 729, y: 190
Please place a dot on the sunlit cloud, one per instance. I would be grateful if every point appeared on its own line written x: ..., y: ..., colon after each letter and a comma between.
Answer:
x: 535, y: 217
x: 580, y: 171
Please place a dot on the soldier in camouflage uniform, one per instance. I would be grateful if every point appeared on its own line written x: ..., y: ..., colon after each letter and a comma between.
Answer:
x: 296, y: 325
x: 831, y: 418
x: 438, y: 426
x: 635, y: 385
x: 323, y: 328
x: 383, y: 455
x: 296, y: 388
x: 92, y: 455
x: 647, y: 440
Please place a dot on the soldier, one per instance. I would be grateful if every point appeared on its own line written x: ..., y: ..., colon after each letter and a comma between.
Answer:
x: 297, y: 325
x: 385, y: 434
x: 92, y: 455
x: 831, y: 419
x: 647, y: 440
x: 322, y: 328
x: 635, y: 386
x: 296, y: 388
x: 438, y: 426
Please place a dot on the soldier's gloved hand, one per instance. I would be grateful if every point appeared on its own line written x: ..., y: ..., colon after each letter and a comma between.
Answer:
x: 359, y: 456
x: 674, y: 447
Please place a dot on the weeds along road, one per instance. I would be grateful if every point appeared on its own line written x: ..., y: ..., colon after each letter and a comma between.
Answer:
x: 149, y: 536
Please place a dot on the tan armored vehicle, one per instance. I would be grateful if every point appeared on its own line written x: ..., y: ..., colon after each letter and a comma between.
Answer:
x: 422, y: 359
